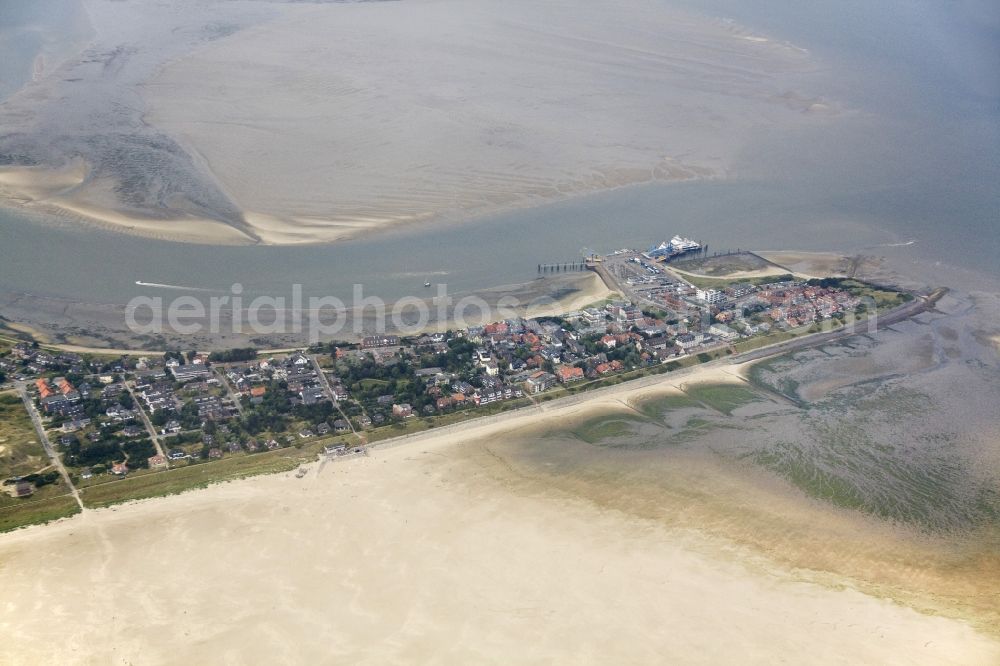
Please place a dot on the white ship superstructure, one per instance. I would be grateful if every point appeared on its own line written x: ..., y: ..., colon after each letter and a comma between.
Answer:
x: 675, y: 246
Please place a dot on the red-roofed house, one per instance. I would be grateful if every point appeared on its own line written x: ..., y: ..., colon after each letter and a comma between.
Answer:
x: 496, y: 328
x: 605, y: 368
x: 44, y: 390
x: 567, y: 373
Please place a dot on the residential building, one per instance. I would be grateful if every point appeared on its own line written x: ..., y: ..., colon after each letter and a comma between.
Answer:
x: 375, y: 341
x: 710, y: 296
x: 567, y: 374
x: 539, y: 381
x: 187, y: 373
x: 689, y: 340
x: 402, y: 411
x: 724, y: 332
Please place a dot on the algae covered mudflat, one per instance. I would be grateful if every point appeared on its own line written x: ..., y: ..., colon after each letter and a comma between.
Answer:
x: 872, y: 458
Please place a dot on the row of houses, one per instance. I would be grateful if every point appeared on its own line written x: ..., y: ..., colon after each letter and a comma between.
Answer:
x: 59, y: 397
x: 303, y: 383
x: 158, y: 396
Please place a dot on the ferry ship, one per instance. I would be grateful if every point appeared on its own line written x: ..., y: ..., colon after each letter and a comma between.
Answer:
x: 674, y: 247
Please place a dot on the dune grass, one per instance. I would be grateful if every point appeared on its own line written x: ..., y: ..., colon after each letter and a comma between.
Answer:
x: 31, y: 511
x: 197, y: 475
x: 20, y: 451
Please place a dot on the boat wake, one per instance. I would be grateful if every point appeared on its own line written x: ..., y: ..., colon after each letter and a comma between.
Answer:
x: 178, y: 287
x: 412, y: 274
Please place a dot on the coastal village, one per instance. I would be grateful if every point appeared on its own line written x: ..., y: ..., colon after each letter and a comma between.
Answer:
x: 108, y: 418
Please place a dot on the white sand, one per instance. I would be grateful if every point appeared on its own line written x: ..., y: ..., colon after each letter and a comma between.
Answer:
x: 422, y: 553
x: 56, y: 190
x: 587, y: 289
x: 41, y: 183
x: 186, y: 229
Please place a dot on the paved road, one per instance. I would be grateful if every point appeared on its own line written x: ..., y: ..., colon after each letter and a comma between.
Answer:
x: 43, y: 437
x: 325, y: 383
x: 229, y: 389
x: 145, y: 419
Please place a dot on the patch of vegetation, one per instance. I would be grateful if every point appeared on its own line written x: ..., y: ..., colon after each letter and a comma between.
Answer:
x: 722, y: 283
x: 772, y: 337
x: 812, y: 479
x: 698, y: 426
x: 722, y: 265
x: 604, y: 427
x: 725, y: 398
x: 200, y: 475
x: 656, y: 408
x: 372, y: 384
x: 840, y: 461
x: 768, y: 375
x: 414, y: 425
x: 233, y: 355
x: 31, y: 511
x: 20, y: 451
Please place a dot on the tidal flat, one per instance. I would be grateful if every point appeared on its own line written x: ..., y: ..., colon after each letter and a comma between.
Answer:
x: 871, y: 462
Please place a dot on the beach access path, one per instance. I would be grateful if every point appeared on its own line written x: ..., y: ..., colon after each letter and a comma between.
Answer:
x: 43, y: 437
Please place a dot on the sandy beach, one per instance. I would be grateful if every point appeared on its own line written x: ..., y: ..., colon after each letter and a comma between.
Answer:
x: 437, y: 550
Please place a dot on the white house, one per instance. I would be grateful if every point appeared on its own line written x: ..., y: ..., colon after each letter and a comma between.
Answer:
x: 710, y: 296
x: 724, y: 332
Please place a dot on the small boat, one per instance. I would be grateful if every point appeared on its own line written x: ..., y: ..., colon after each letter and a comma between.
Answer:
x: 427, y: 284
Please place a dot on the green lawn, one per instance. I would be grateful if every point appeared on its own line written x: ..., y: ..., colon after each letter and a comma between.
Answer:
x: 770, y: 338
x: 34, y: 510
x: 371, y: 383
